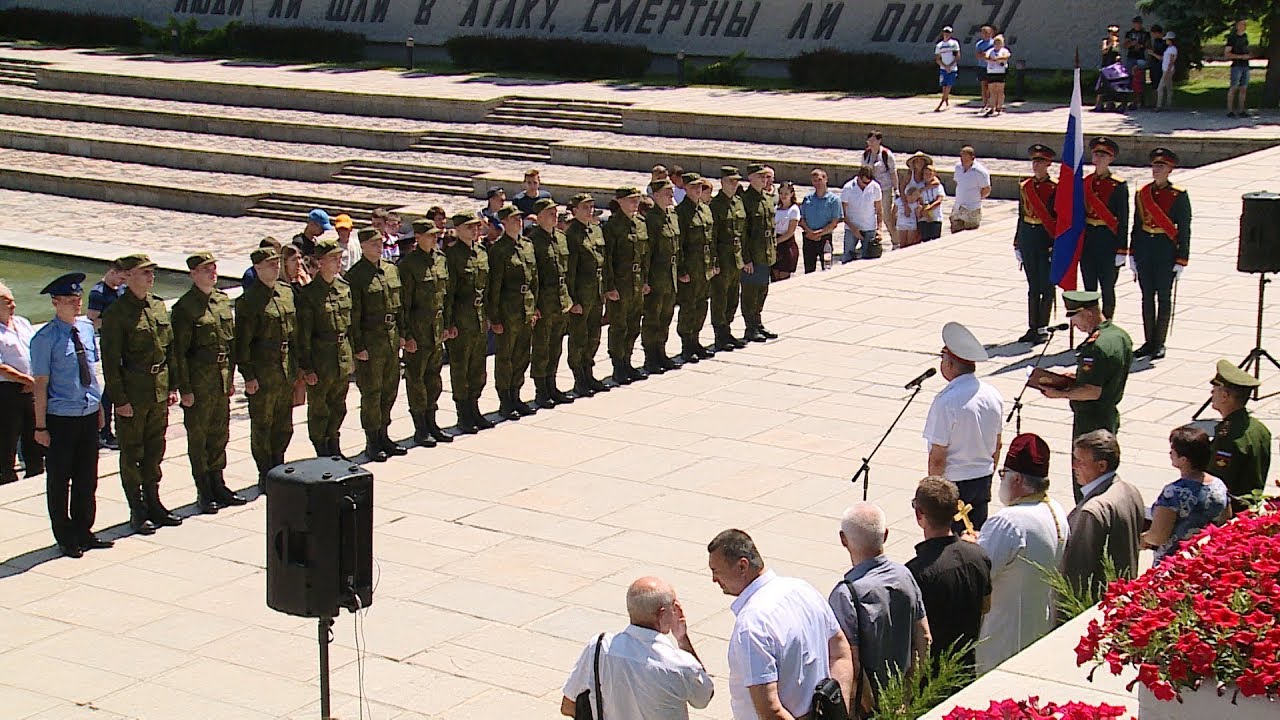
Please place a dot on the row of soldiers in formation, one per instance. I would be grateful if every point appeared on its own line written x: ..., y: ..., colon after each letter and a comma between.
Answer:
x: 1156, y: 246
x: 531, y: 288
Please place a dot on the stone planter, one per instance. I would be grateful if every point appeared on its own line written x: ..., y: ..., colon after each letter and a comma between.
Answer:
x: 1205, y: 704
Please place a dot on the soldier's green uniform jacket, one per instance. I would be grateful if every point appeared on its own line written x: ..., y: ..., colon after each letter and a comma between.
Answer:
x: 1103, y: 359
x: 1241, y: 453
x: 136, y: 338
x: 584, y: 275
x: 551, y: 249
x: 203, y: 342
x: 513, y: 279
x: 759, y: 246
x: 377, y: 313
x: 730, y: 225
x: 698, y: 257
x: 266, y: 327
x: 663, y: 227
x: 468, y: 269
x: 626, y: 253
x: 424, y: 279
x: 324, y: 321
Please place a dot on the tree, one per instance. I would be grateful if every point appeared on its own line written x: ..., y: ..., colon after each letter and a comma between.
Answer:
x: 1196, y: 20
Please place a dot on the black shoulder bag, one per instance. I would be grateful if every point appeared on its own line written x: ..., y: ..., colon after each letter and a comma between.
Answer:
x: 582, y: 704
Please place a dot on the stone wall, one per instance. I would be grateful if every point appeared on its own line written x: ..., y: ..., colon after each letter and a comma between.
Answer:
x: 1043, y: 33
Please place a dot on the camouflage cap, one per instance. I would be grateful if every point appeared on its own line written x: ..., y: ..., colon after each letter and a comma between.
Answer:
x: 200, y: 259
x: 542, y: 204
x: 137, y: 261
x: 421, y: 227
x: 262, y: 255
x: 509, y: 210
x: 366, y: 234
x: 465, y: 218
x: 326, y: 247
x: 658, y: 185
x: 754, y: 168
x: 627, y: 192
x: 580, y: 198
x: 729, y: 171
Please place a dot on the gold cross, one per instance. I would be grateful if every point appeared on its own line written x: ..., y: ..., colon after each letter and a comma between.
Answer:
x: 962, y: 514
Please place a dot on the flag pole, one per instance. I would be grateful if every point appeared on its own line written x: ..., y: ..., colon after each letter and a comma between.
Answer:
x: 1071, y: 329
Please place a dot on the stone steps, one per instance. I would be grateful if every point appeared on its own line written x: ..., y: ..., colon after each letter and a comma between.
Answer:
x: 291, y: 207
x: 474, y: 144
x: 407, y: 177
x: 569, y: 114
x: 17, y: 73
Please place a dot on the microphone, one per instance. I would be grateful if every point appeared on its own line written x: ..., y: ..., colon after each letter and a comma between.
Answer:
x: 923, y: 376
x: 1063, y: 326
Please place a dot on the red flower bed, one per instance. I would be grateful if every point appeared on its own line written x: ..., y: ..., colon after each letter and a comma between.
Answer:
x: 1206, y: 614
x: 1031, y: 709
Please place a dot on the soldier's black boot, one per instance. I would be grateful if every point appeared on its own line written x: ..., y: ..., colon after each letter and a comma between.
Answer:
x: 466, y: 422
x: 421, y: 434
x: 688, y: 351
x: 542, y: 394
x: 753, y: 333
x: 522, y: 407
x: 373, y: 446
x: 223, y: 493
x: 765, y: 331
x: 506, y: 405
x: 390, y: 446
x: 438, y: 434
x: 668, y: 362
x: 139, y: 519
x: 581, y: 385
x: 653, y: 362
x: 704, y: 352
x: 156, y: 511
x: 595, y: 384
x: 621, y: 373
x: 205, y: 500
x: 737, y: 342
x: 724, y: 340
x: 561, y: 397
x: 321, y: 447
x: 481, y: 421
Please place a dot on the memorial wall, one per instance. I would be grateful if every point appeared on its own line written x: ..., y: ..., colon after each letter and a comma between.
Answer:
x: 1043, y: 33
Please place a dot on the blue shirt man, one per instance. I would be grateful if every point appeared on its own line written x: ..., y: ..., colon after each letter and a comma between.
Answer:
x: 53, y: 354
x: 820, y: 213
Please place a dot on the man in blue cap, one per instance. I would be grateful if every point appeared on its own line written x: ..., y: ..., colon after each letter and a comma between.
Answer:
x: 318, y: 223
x: 68, y: 416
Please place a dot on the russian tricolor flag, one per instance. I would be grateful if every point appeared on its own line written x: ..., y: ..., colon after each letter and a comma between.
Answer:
x: 1068, y: 203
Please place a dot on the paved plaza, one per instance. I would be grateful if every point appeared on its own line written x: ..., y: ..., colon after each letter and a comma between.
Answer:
x: 499, y: 556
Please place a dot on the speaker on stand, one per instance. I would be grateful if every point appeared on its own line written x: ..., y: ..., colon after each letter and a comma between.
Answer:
x: 320, y: 545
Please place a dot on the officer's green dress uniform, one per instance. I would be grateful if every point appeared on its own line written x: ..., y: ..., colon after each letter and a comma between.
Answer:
x: 324, y: 323
x: 1241, y: 451
x: 730, y: 227
x: 203, y: 366
x: 585, y: 279
x: 1156, y: 249
x: 511, y: 303
x: 699, y: 261
x: 137, y: 338
x: 424, y: 277
x: 663, y: 226
x: 468, y: 267
x: 551, y: 250
x: 266, y: 329
x: 626, y: 271
x: 1103, y: 359
x: 1102, y: 244
x: 376, y: 318
x: 760, y: 248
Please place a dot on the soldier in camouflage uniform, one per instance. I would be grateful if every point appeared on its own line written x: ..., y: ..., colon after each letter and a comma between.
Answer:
x: 203, y: 367
x: 699, y: 264
x: 759, y: 250
x: 585, y: 279
x: 551, y: 250
x: 663, y: 226
x: 626, y: 281
x: 468, y: 267
x: 424, y: 276
x: 376, y: 319
x: 513, y: 311
x: 324, y: 350
x: 730, y: 226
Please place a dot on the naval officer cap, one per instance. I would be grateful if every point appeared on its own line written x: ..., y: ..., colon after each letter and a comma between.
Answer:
x: 69, y: 285
x: 959, y: 342
x: 1232, y: 376
x: 1077, y: 300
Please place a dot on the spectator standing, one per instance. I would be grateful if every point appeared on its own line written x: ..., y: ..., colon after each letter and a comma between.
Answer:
x: 17, y: 405
x: 981, y: 47
x: 1108, y: 54
x: 997, y: 69
x: 963, y: 428
x: 1191, y: 502
x: 390, y: 237
x: 907, y: 208
x: 1237, y: 52
x: 884, y: 171
x: 785, y: 221
x: 1137, y: 42
x: 929, y: 218
x: 878, y: 603
x: 1168, y: 63
x: 820, y: 213
x: 863, y: 215
x: 318, y: 223
x: 1108, y: 520
x: 1155, y: 55
x: 101, y: 295
x: 915, y: 169
x: 343, y: 225
x: 973, y: 185
x: 1031, y: 530
x: 1241, y: 443
x: 657, y: 173
x: 677, y: 180
x: 954, y: 577
x: 251, y: 273
x: 531, y: 193
x: 785, y: 638
x: 946, y: 53
x: 496, y: 197
x: 642, y: 672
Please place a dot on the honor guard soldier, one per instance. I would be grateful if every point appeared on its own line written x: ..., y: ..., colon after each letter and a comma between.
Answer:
x: 513, y: 311
x: 203, y: 371
x: 424, y: 277
x: 626, y: 281
x: 730, y: 226
x: 663, y: 227
x: 68, y: 416
x: 1033, y: 241
x: 1240, y: 455
x: 324, y: 348
x: 1106, y: 239
x: 266, y: 327
x: 468, y: 265
x: 137, y: 337
x: 376, y: 319
x: 759, y: 250
x: 585, y: 280
x: 551, y: 250
x: 1161, y: 243
x: 698, y: 264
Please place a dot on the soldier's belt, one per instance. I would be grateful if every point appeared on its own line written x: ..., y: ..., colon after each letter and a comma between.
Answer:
x: 332, y: 337
x: 1096, y: 222
x: 209, y: 355
x: 1150, y: 230
x: 282, y: 346
x: 635, y: 267
x: 373, y: 321
x: 524, y: 289
x: 147, y: 369
x: 1031, y: 220
x: 562, y: 281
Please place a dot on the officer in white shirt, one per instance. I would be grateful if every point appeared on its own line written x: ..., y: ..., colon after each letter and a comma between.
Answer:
x: 964, y: 422
x: 785, y: 639
x: 643, y: 672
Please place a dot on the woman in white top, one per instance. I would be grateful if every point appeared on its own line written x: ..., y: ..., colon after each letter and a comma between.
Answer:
x: 906, y: 207
x: 885, y: 172
x: 785, y: 221
x: 1164, y: 91
x: 997, y: 69
x: 929, y: 219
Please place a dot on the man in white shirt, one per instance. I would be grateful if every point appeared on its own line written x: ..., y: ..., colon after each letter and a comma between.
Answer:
x: 964, y: 422
x: 643, y: 673
x: 17, y: 404
x: 947, y: 55
x: 676, y: 176
x: 343, y: 225
x: 1032, y: 530
x: 973, y: 185
x: 785, y: 638
x: 863, y: 215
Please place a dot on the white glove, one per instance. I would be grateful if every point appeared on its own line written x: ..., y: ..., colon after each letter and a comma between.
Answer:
x: 1018, y: 254
x: 1120, y: 260
x: 1177, y: 270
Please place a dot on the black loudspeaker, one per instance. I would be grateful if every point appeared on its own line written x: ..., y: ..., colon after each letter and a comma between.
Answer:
x: 1259, y: 233
x: 319, y: 537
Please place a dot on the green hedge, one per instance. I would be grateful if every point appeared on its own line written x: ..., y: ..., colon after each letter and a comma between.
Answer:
x: 829, y: 69
x: 564, y: 58
x: 64, y: 28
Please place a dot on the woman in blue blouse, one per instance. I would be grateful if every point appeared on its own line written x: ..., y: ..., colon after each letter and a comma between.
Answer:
x: 1190, y: 503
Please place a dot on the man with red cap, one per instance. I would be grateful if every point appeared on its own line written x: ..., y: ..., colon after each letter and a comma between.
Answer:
x: 1030, y: 531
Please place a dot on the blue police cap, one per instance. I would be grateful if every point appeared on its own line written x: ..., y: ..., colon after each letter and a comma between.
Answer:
x: 68, y: 284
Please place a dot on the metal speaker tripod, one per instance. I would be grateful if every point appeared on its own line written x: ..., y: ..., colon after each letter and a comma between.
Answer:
x: 1253, y: 361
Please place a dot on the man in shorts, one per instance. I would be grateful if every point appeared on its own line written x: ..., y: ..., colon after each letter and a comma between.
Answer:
x: 981, y: 47
x: 973, y: 185
x: 947, y: 54
x: 1237, y: 51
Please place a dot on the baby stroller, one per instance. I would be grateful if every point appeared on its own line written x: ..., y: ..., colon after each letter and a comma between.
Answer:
x: 1114, y: 88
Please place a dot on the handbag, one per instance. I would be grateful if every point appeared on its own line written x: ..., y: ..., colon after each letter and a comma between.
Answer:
x: 582, y: 703
x: 828, y: 702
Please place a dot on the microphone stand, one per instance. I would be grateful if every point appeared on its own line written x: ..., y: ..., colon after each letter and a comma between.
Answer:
x: 1016, y: 411
x: 864, y: 472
